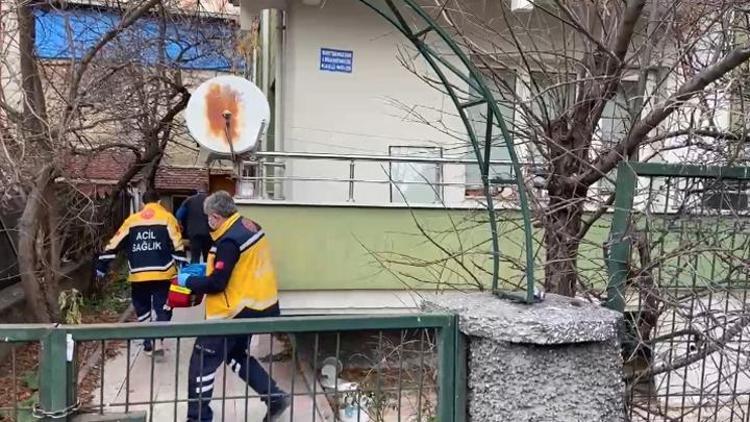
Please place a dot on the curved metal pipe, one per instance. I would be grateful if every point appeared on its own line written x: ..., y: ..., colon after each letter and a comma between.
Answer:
x: 475, y: 80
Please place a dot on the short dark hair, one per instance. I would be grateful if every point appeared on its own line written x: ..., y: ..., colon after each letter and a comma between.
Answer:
x: 150, y: 196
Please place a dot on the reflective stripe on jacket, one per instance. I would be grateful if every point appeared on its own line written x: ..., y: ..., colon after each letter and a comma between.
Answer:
x: 152, y: 241
x: 252, y: 281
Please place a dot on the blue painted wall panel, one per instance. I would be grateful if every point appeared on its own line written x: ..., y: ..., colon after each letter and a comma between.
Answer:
x: 196, y: 44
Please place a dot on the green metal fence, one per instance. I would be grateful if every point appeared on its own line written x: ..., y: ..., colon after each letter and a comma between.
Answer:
x: 407, y: 368
x: 679, y: 266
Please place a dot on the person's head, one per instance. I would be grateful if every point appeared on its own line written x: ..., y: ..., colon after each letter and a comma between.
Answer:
x: 150, y: 197
x: 202, y: 188
x: 219, y: 207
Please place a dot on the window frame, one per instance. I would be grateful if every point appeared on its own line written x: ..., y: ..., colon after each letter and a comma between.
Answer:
x: 439, y: 175
x: 473, y: 182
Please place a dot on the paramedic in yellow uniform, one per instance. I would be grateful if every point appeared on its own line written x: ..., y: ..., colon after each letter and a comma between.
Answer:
x: 240, y: 283
x: 152, y: 241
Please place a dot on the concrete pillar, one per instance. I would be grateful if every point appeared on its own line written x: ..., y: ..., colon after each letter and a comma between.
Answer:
x: 558, y: 360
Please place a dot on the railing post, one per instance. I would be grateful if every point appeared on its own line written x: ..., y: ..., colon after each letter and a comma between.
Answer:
x: 447, y: 397
x: 55, y: 380
x: 262, y: 171
x: 439, y: 187
x: 619, y: 249
x: 351, y: 181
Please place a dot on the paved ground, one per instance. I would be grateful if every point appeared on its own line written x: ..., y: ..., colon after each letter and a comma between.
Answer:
x: 169, y: 375
x: 706, y: 414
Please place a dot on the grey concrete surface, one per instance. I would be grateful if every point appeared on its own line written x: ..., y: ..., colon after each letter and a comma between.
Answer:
x: 558, y: 360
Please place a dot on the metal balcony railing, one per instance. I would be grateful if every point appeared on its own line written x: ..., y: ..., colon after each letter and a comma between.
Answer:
x: 266, y: 173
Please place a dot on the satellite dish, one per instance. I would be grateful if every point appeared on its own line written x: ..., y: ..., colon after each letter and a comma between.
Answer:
x: 227, y: 115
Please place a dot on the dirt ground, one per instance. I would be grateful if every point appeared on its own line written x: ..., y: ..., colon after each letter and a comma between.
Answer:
x: 19, y: 383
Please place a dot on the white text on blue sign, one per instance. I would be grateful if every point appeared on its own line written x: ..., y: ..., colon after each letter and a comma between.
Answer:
x: 336, y: 60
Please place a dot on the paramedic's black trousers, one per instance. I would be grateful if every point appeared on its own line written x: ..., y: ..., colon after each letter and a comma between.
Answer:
x: 199, y: 247
x: 148, y: 296
x: 209, y: 353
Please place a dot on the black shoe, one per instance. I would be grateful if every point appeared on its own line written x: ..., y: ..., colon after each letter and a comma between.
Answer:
x: 153, y: 349
x: 148, y: 347
x: 275, y: 410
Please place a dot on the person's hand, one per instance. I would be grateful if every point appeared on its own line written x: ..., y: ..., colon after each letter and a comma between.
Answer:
x: 182, y: 278
x: 100, y: 274
x: 198, y: 270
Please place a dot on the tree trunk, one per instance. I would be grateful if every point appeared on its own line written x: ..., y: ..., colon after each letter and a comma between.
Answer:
x: 39, y: 249
x: 563, y: 218
x: 563, y: 223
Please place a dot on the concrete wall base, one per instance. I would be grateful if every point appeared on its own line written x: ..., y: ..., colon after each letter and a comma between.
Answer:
x: 138, y: 416
x: 558, y: 360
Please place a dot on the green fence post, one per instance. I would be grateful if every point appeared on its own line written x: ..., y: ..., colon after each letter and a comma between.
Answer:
x: 619, y: 251
x: 54, y: 376
x: 447, y: 370
x: 460, y: 382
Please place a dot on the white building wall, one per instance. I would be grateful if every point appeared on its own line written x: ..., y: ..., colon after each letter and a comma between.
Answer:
x: 710, y: 110
x: 10, y: 71
x: 362, y: 112
x: 377, y: 105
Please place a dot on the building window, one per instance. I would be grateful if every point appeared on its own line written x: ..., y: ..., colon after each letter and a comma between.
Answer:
x: 614, y: 125
x: 617, y: 114
x: 739, y: 117
x: 728, y: 195
x: 707, y: 196
x: 552, y: 93
x: 502, y: 83
x: 249, y: 182
x: 416, y: 183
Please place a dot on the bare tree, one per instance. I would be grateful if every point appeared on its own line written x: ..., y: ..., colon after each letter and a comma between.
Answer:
x: 120, y: 92
x: 586, y: 85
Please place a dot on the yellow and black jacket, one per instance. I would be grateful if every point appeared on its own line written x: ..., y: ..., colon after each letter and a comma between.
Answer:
x: 240, y: 274
x: 152, y: 241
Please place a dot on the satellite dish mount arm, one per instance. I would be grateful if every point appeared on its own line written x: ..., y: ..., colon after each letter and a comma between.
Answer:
x: 228, y: 132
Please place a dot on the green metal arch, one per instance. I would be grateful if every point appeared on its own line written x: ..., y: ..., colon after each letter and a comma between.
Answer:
x: 466, y: 71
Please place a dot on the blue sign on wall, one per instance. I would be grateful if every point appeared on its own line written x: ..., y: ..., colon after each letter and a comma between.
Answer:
x: 336, y: 60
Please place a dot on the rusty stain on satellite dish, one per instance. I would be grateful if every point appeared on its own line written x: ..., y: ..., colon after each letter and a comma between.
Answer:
x: 219, y: 100
x: 243, y: 104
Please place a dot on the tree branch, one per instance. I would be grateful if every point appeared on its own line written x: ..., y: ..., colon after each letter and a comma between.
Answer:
x: 101, y: 148
x: 709, y: 348
x: 34, y: 116
x: 709, y: 133
x: 591, y: 104
x: 127, y: 21
x: 641, y: 129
